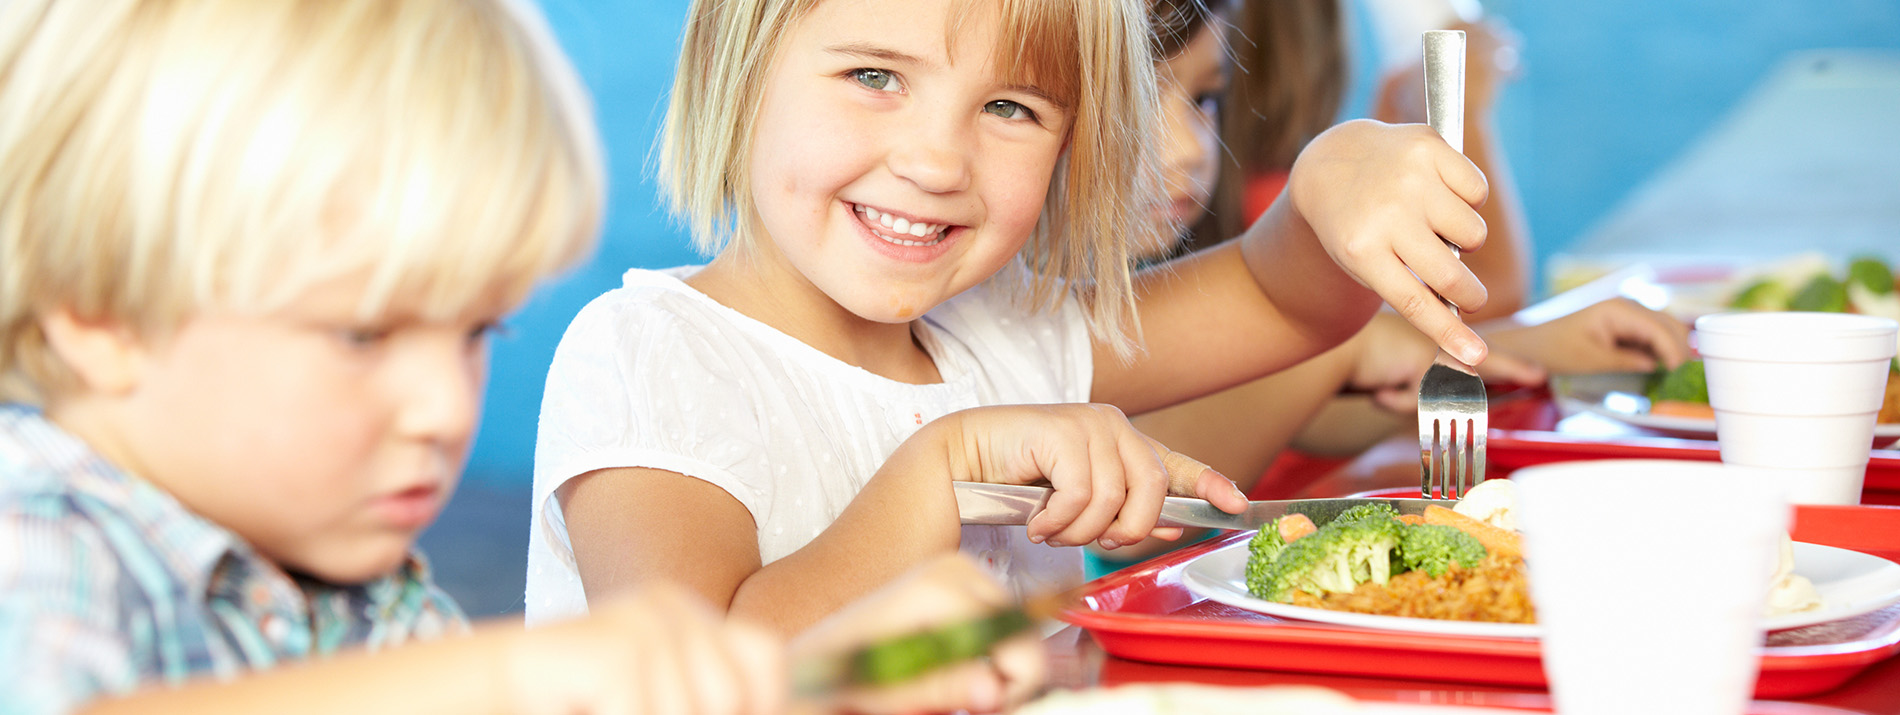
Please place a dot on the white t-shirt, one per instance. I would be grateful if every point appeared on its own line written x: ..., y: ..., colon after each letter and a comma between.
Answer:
x: 655, y: 374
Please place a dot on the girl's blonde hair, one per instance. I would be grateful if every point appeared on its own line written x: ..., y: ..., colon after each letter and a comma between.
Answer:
x: 1092, y: 55
x: 161, y: 157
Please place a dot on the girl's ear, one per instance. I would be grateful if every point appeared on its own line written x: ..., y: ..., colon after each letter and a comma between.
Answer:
x: 104, y: 355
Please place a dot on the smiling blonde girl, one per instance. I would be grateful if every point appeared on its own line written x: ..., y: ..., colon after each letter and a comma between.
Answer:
x: 924, y: 213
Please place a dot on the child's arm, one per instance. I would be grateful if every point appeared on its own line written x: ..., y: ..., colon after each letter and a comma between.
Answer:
x: 1369, y: 203
x: 659, y: 651
x: 632, y: 526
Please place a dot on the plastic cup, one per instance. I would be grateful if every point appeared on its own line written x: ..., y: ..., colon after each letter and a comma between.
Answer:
x: 1798, y: 393
x: 1650, y: 579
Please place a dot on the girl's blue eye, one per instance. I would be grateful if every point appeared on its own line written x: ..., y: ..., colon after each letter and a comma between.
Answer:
x: 873, y: 78
x: 1009, y: 110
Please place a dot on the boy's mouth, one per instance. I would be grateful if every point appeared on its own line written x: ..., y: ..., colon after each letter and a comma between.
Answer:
x: 900, y: 231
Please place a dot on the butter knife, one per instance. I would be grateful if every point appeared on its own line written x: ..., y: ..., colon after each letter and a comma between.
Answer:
x: 980, y: 503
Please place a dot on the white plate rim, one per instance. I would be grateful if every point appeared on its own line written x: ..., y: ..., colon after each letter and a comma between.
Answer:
x: 1202, y: 576
x: 1572, y: 402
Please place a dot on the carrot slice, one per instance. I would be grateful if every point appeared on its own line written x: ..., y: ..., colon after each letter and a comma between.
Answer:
x: 1678, y: 408
x: 1413, y: 519
x: 1294, y: 526
x: 1495, y: 540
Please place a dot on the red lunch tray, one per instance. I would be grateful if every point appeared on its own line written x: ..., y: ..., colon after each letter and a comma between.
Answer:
x: 1530, y: 430
x: 1146, y: 613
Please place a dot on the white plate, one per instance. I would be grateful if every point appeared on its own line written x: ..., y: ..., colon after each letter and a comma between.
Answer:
x: 1619, y: 396
x: 1850, y: 583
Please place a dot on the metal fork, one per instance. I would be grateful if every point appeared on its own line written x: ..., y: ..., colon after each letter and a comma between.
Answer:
x: 1452, y: 409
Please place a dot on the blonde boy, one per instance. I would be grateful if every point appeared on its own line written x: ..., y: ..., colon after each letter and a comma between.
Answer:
x: 250, y: 251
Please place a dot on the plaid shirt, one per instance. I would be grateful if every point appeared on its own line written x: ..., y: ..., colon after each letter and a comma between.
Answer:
x: 108, y: 584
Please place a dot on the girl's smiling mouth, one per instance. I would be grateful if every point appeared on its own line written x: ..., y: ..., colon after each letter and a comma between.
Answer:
x: 900, y: 231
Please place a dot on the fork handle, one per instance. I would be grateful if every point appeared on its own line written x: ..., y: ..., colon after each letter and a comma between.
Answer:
x: 1445, y: 85
x: 1445, y: 97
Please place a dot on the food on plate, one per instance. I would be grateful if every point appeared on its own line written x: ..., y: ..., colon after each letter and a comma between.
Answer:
x: 1193, y: 699
x: 1808, y: 282
x: 1353, y: 548
x: 1493, y: 501
x: 1684, y: 392
x: 1461, y: 564
x: 1367, y: 560
x: 1787, y: 591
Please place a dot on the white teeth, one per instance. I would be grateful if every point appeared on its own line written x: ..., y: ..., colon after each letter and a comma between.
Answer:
x: 903, y: 226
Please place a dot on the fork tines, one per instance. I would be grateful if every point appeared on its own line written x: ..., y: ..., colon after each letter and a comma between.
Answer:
x: 1452, y: 421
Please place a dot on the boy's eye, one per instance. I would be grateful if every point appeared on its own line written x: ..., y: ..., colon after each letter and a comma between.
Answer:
x: 363, y: 338
x: 1009, y: 110
x: 486, y: 331
x: 874, y: 78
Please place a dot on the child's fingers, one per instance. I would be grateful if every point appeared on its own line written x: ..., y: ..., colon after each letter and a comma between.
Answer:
x: 1418, y: 305
x: 1461, y: 175
x: 1145, y: 484
x: 1456, y: 223
x: 1061, y: 453
x: 1094, y: 479
x: 1118, y: 473
x: 1434, y: 264
x: 1188, y: 477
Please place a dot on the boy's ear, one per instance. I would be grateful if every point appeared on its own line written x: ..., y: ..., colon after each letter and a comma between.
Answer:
x: 104, y: 355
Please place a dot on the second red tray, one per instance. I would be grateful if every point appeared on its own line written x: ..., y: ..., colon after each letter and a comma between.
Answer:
x: 1146, y: 613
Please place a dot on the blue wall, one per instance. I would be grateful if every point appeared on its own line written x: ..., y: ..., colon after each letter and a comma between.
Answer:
x: 1612, y: 90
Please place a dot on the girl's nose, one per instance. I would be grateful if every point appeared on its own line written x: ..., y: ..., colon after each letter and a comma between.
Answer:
x: 935, y: 160
x: 1184, y: 125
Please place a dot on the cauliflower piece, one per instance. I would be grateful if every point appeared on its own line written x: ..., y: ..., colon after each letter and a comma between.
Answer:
x: 1493, y: 501
x: 1787, y: 592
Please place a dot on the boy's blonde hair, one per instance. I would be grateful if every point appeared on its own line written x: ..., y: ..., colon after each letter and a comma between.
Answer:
x: 1092, y: 55
x: 161, y: 157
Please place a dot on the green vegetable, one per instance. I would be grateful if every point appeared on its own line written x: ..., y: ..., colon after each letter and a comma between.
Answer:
x: 1432, y: 547
x: 1344, y: 553
x: 1265, y: 546
x: 1686, y: 383
x: 1372, y: 510
x: 1871, y: 274
x: 905, y: 657
x: 1764, y: 294
x: 1821, y: 294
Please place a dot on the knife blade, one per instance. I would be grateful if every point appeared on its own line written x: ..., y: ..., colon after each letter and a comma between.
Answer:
x: 979, y: 503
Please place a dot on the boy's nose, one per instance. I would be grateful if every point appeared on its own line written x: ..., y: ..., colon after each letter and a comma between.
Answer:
x: 441, y: 395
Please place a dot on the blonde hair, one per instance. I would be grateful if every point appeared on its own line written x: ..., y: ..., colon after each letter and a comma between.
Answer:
x: 1091, y: 55
x: 162, y: 157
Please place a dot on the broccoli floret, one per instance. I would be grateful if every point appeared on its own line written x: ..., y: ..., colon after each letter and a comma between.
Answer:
x: 1870, y: 274
x: 1265, y: 546
x: 1372, y: 510
x: 1764, y: 294
x: 1340, y: 556
x: 1432, y: 547
x: 1686, y: 383
x: 1822, y: 294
